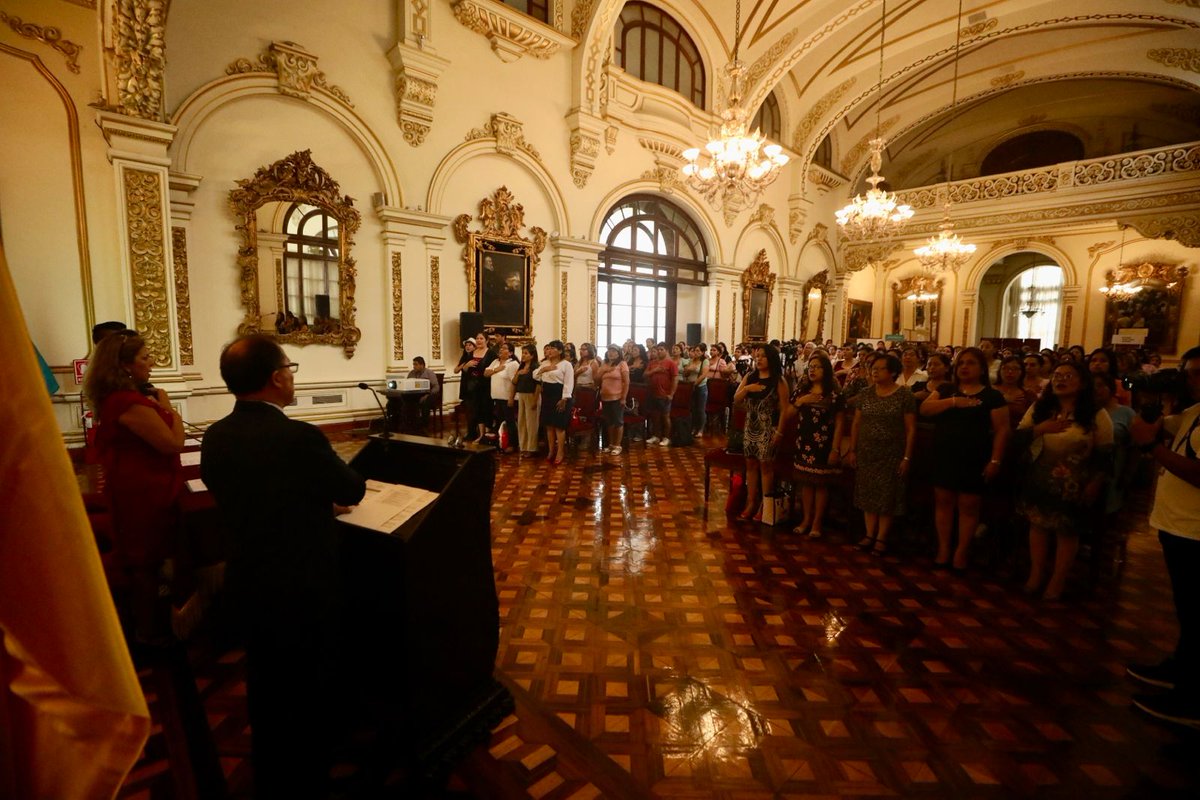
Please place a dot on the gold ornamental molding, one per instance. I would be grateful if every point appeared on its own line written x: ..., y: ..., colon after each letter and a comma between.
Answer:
x: 435, y: 310
x: 294, y: 67
x: 46, y: 35
x: 764, y: 215
x: 1099, y: 246
x: 855, y: 153
x: 148, y: 261
x: 139, y: 57
x: 796, y: 218
x: 717, y: 316
x: 502, y: 219
x: 770, y: 58
x: 397, y: 308
x: 967, y: 323
x: 1188, y: 3
x: 511, y: 33
x: 818, y: 112
x: 970, y: 31
x: 1185, y: 58
x: 1007, y: 79
x: 580, y: 14
x: 757, y: 276
x: 183, y: 297
x: 562, y: 333
x: 824, y: 179
x: 819, y: 233
x: 509, y: 134
x: 1183, y: 228
x: 296, y: 179
x: 667, y: 178
x: 592, y: 281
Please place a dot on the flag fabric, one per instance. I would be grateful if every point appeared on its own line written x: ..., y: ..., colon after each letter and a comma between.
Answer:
x: 47, y: 375
x: 73, y: 719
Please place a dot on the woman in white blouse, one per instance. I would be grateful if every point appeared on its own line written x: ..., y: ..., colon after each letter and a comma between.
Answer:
x: 558, y: 383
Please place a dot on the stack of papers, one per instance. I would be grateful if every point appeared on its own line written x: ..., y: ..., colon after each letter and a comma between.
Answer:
x: 387, y: 506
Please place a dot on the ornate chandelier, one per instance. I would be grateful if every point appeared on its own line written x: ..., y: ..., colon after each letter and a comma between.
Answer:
x: 923, y: 289
x: 738, y: 166
x: 878, y: 213
x: 946, y: 251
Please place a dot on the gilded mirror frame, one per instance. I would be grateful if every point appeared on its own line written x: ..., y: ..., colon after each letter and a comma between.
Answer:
x: 818, y: 282
x: 906, y: 286
x: 295, y: 179
x: 1169, y: 279
x: 758, y: 290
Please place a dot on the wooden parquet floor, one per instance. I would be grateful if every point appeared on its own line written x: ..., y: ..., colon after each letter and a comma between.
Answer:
x: 708, y: 659
x: 654, y: 653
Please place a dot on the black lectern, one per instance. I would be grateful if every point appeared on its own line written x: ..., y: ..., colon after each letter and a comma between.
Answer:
x: 422, y: 617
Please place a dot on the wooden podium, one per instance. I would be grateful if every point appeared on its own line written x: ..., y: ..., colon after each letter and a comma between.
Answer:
x: 422, y: 616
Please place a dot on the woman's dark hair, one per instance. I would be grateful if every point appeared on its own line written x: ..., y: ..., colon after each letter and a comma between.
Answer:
x: 1038, y: 356
x: 1109, y: 381
x: 893, y: 364
x: 557, y: 345
x: 511, y: 356
x: 568, y: 351
x: 532, y: 350
x: 1085, y: 402
x: 827, y: 383
x: 1110, y: 355
x: 1076, y: 352
x: 1020, y: 363
x: 984, y: 377
x: 590, y: 347
x: 942, y: 357
x: 773, y: 366
x: 106, y: 373
x: 641, y: 353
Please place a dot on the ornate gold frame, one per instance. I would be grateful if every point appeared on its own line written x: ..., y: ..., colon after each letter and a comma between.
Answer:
x: 289, y: 180
x: 757, y: 278
x: 902, y: 288
x: 502, y: 220
x: 818, y: 281
x: 1166, y: 278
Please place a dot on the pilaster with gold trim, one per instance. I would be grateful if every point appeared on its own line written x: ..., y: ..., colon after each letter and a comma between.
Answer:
x: 576, y: 265
x: 182, y: 188
x: 137, y: 149
x: 433, y: 251
x: 404, y: 233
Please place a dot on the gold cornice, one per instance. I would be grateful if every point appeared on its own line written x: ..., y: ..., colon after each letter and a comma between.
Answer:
x: 46, y: 35
x: 511, y: 33
x: 183, y: 297
x: 139, y: 57
x: 397, y: 308
x: 508, y: 132
x: 143, y: 193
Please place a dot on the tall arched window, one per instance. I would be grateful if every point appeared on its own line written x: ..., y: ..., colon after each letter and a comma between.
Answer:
x: 1031, y: 304
x: 768, y: 119
x: 310, y: 262
x: 654, y: 47
x: 538, y: 9
x: 652, y: 246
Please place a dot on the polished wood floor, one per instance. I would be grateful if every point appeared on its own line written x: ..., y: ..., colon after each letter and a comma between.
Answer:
x: 657, y: 653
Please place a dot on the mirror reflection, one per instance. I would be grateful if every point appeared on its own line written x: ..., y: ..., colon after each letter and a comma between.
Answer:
x: 1145, y: 299
x: 916, y: 303
x: 304, y: 267
x: 812, y: 319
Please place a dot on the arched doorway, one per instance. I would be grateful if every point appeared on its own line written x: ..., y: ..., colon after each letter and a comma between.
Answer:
x: 1020, y: 297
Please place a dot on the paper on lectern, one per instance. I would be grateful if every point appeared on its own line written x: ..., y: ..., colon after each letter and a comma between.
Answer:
x: 387, y: 506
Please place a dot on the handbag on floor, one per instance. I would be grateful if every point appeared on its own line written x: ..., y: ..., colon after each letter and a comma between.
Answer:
x: 777, y: 508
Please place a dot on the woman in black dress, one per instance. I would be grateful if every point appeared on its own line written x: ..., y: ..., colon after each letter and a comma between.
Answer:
x: 558, y: 384
x: 764, y: 393
x: 971, y: 430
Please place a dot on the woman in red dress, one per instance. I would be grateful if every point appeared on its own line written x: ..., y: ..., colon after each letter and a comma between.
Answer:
x: 139, y: 437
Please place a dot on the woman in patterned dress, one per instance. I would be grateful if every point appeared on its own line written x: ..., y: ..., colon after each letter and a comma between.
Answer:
x: 764, y: 393
x: 881, y: 446
x: 1069, y: 440
x: 817, y: 461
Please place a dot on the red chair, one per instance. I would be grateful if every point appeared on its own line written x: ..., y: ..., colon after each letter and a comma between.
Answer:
x: 736, y: 462
x: 585, y: 416
x: 635, y: 411
x: 681, y: 402
x: 720, y: 397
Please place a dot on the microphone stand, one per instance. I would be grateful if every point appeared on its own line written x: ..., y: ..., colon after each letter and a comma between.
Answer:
x: 387, y: 422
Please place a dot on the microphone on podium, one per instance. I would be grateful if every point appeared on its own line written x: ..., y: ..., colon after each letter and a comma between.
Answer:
x: 387, y: 423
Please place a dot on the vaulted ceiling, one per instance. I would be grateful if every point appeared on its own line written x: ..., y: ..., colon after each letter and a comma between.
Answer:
x: 1120, y: 75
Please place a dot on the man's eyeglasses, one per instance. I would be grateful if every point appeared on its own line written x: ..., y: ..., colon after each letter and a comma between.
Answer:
x: 290, y: 366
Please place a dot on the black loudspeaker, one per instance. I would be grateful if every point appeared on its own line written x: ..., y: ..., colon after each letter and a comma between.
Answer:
x: 693, y: 333
x: 469, y: 324
x: 322, y: 305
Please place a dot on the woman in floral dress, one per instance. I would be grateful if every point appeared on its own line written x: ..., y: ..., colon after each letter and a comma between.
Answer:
x: 1069, y: 441
x: 764, y: 393
x: 817, y: 461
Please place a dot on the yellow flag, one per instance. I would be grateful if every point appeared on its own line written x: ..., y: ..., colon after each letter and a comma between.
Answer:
x: 73, y: 719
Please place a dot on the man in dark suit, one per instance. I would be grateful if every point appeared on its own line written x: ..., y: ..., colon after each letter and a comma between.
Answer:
x: 276, y: 482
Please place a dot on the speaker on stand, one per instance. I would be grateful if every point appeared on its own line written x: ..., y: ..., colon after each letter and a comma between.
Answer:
x: 469, y: 324
x: 693, y: 333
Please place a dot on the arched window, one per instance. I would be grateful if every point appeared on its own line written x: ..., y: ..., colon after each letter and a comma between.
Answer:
x: 651, y: 248
x: 768, y: 119
x: 1031, y: 304
x: 538, y: 9
x: 310, y: 263
x: 652, y: 46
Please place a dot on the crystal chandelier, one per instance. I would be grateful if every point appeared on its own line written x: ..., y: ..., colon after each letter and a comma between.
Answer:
x: 923, y: 289
x: 946, y: 251
x: 738, y: 166
x: 877, y: 213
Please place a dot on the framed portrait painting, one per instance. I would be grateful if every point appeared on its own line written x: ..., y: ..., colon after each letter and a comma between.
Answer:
x: 502, y: 278
x: 858, y: 319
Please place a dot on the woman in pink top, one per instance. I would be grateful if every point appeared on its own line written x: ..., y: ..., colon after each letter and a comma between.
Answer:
x: 613, y: 375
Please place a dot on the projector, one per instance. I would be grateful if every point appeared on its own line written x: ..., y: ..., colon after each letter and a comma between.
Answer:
x: 407, y: 385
